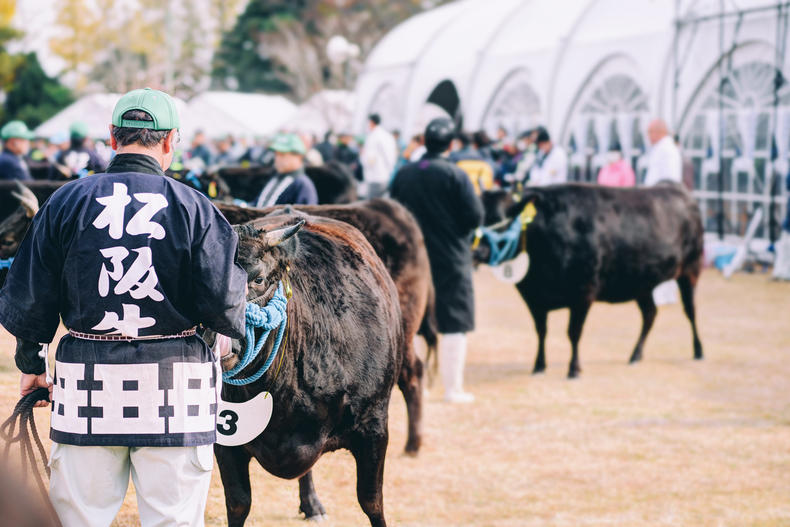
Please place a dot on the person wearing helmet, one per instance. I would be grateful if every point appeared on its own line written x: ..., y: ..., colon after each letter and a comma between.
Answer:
x: 443, y: 201
x: 79, y: 158
x: 16, y: 144
x: 130, y: 261
x: 290, y: 186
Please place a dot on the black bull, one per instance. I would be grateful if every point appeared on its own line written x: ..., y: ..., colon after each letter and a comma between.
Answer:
x: 344, y: 352
x: 591, y: 243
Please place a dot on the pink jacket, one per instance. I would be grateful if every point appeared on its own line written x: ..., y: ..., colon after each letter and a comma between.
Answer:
x: 618, y: 174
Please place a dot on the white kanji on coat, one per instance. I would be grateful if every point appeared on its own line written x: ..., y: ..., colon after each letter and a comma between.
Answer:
x: 139, y: 281
x: 130, y: 325
x: 141, y: 222
x: 114, y: 207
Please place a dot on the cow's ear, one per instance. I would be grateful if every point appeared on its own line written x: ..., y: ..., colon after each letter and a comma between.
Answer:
x: 282, y: 234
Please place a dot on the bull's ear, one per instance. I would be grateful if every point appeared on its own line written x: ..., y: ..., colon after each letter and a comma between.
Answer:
x: 282, y: 234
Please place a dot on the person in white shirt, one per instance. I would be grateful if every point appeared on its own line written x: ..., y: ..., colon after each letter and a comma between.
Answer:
x: 551, y: 166
x: 378, y: 158
x: 664, y: 164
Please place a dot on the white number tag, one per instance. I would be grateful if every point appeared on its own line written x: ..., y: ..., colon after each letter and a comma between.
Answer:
x: 513, y: 271
x: 240, y: 423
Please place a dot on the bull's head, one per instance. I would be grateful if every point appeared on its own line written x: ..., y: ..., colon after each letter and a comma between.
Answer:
x: 13, y: 227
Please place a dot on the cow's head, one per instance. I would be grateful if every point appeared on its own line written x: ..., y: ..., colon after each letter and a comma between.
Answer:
x: 14, y: 226
x: 266, y: 248
x: 510, y: 210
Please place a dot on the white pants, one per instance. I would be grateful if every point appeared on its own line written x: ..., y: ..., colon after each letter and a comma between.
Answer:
x: 782, y: 262
x: 666, y: 293
x: 88, y: 484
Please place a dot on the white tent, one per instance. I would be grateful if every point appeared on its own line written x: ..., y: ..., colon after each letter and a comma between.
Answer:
x: 326, y: 110
x: 95, y: 111
x: 594, y: 72
x: 241, y: 114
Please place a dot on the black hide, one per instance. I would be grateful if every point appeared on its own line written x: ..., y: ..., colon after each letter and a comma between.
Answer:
x: 592, y: 243
x: 342, y: 358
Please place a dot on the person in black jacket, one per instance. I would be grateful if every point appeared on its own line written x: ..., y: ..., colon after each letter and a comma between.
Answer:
x: 443, y: 200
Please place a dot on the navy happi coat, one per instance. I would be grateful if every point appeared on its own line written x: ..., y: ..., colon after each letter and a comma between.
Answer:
x: 134, y: 253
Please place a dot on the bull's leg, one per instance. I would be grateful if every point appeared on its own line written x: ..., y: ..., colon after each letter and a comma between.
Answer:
x: 410, y: 384
x: 687, y: 285
x: 369, y: 452
x: 578, y: 316
x: 309, y: 504
x: 234, y: 469
x: 648, y: 308
x: 539, y: 315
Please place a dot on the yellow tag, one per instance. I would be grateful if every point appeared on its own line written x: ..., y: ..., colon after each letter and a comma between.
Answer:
x: 245, y: 164
x: 478, y: 237
x: 288, y: 291
x: 212, y: 189
x: 528, y: 214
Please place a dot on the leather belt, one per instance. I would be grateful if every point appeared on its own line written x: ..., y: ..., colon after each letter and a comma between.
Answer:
x: 125, y: 338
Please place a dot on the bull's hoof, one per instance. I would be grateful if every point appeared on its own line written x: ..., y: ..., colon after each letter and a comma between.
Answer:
x: 698, y: 352
x: 312, y: 508
x: 539, y: 368
x: 636, y: 357
x: 320, y: 518
x: 574, y: 373
x: 698, y: 356
x: 412, y: 447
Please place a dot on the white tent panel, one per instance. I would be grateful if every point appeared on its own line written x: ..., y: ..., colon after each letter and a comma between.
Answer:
x: 220, y: 114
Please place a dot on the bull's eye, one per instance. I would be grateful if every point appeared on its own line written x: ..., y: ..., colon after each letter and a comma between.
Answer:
x: 259, y: 280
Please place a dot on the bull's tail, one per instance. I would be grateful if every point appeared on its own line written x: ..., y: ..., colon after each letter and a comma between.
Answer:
x: 429, y: 330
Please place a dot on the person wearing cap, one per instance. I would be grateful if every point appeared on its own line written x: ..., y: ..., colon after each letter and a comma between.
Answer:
x: 78, y: 157
x: 16, y: 144
x: 551, y: 165
x: 443, y: 200
x: 131, y: 261
x: 290, y: 185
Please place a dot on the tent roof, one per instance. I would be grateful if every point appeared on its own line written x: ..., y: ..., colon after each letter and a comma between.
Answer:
x: 247, y: 114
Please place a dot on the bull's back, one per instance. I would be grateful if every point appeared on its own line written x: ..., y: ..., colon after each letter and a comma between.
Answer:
x: 609, y: 243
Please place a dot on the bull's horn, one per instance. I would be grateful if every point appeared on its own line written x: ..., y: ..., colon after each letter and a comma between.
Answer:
x: 27, y: 199
x: 278, y: 236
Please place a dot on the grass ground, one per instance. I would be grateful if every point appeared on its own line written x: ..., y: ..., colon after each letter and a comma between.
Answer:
x: 669, y: 441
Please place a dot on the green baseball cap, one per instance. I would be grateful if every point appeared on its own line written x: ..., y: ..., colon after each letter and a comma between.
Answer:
x: 288, y: 144
x: 78, y: 129
x: 157, y: 104
x: 16, y: 130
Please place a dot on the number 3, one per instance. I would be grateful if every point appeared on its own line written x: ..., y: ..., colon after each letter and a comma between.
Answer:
x: 228, y: 427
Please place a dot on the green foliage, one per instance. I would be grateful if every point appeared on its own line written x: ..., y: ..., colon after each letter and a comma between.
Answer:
x: 279, y: 45
x: 33, y: 96
x: 238, y: 63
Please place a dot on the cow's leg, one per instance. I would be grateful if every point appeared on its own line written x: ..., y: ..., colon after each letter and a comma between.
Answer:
x: 578, y: 315
x: 369, y: 451
x: 234, y: 469
x: 539, y: 316
x: 687, y: 284
x: 648, y: 308
x: 410, y: 384
x: 309, y: 504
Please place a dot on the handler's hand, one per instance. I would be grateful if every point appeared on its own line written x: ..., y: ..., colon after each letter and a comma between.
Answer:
x: 30, y: 383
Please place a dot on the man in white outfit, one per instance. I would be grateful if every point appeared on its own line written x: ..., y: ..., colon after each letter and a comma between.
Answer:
x: 551, y: 166
x: 664, y: 164
x: 378, y: 157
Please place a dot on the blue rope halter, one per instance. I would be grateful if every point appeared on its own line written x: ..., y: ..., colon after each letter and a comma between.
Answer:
x: 6, y: 264
x: 272, y: 316
x: 504, y: 245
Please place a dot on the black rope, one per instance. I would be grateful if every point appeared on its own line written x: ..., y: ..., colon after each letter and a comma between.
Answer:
x: 19, y: 427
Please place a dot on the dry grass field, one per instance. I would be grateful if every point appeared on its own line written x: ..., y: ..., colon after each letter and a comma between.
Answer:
x: 669, y: 441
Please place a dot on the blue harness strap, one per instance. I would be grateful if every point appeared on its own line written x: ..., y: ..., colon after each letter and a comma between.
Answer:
x: 272, y: 316
x: 504, y: 245
x: 6, y: 264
